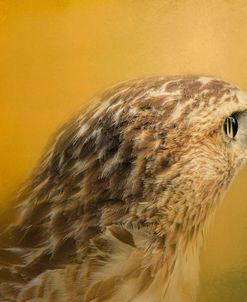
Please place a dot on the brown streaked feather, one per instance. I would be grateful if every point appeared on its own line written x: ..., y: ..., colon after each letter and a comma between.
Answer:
x: 121, y: 234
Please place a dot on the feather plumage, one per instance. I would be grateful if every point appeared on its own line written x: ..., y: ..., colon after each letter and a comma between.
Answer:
x: 117, y: 206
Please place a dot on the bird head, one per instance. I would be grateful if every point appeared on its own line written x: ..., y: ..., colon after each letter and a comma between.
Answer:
x: 200, y: 145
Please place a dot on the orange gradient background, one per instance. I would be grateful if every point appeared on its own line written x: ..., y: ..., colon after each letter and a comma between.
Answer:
x: 56, y: 54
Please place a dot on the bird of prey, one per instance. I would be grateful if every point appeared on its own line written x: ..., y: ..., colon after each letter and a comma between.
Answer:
x: 118, y: 206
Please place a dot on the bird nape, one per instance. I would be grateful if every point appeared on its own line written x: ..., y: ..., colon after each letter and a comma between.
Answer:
x: 117, y: 207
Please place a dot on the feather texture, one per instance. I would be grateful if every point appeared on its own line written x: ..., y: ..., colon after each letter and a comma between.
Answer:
x: 117, y: 207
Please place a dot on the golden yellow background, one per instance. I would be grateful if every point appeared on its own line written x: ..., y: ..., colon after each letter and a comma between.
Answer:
x: 56, y: 54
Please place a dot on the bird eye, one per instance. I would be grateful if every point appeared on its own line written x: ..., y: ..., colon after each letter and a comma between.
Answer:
x: 231, y: 126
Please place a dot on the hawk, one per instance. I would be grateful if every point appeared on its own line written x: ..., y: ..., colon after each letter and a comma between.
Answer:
x: 117, y: 208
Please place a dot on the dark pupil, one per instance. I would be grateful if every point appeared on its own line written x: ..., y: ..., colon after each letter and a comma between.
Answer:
x: 231, y: 126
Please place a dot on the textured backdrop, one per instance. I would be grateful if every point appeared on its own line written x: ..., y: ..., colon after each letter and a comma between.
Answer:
x: 56, y: 54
